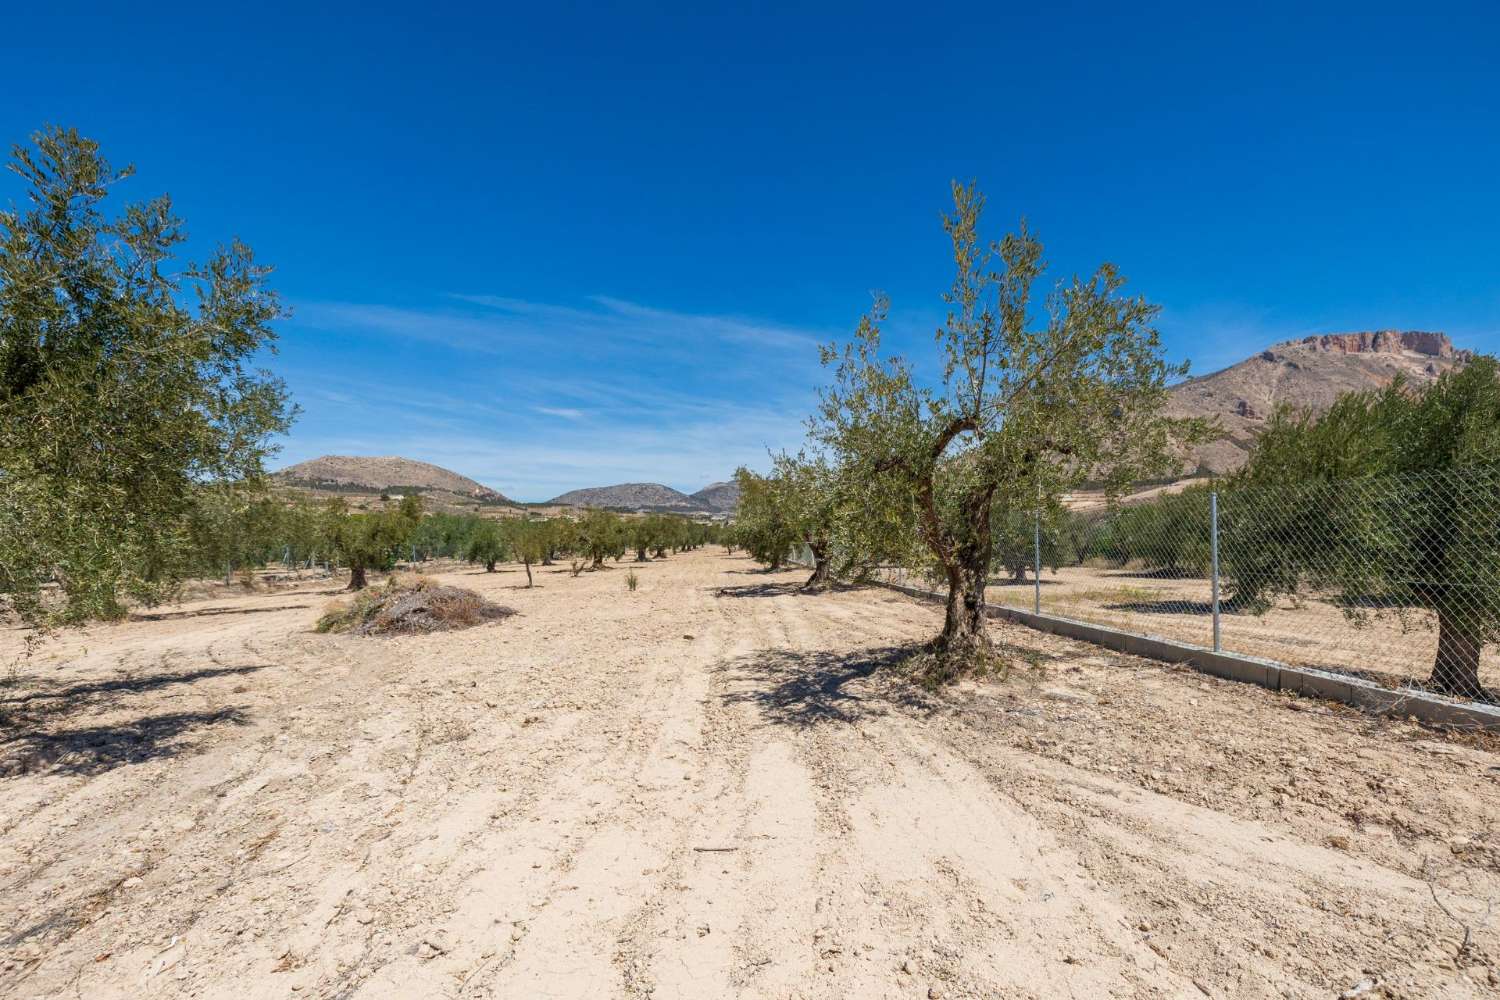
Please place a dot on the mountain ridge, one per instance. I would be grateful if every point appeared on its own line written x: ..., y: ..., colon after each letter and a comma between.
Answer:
x: 1308, y: 372
x: 633, y: 496
x: 385, y: 474
x: 723, y: 497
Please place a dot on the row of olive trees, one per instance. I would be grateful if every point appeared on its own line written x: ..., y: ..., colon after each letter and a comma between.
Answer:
x: 590, y: 539
x: 1387, y: 502
x: 268, y: 530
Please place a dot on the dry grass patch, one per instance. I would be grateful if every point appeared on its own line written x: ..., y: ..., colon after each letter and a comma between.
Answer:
x: 410, y: 605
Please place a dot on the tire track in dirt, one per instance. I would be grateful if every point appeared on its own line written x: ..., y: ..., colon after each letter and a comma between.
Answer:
x: 929, y: 873
x: 514, y: 810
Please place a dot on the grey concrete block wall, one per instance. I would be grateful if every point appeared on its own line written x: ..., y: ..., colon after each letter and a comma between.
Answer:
x: 1305, y: 681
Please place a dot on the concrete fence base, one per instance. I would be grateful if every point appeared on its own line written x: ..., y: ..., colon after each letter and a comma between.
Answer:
x: 1252, y: 670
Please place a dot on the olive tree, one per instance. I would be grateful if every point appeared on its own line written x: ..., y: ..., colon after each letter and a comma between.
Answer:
x: 761, y: 522
x: 1015, y: 540
x: 1168, y: 535
x: 486, y: 545
x: 1031, y: 402
x: 600, y: 536
x: 128, y: 387
x: 1391, y: 500
x: 809, y: 492
x: 366, y: 541
x: 530, y: 541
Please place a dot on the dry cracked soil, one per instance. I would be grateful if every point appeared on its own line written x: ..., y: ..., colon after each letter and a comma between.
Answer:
x: 713, y: 786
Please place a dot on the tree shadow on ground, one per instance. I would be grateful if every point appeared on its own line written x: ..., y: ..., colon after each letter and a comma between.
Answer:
x: 1155, y: 574
x: 1165, y: 607
x: 1006, y: 581
x: 130, y: 685
x: 803, y: 688
x: 92, y: 750
x: 163, y: 616
x: 1374, y: 602
x: 781, y: 590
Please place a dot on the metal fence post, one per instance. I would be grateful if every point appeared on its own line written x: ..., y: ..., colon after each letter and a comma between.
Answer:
x: 1036, y: 582
x: 1213, y: 522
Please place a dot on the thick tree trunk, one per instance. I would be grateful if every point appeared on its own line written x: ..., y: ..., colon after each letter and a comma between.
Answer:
x: 964, y: 635
x: 640, y: 556
x: 489, y: 567
x: 1455, y: 671
x: 357, y: 578
x: 822, y: 573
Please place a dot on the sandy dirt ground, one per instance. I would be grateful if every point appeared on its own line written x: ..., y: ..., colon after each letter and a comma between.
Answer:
x: 711, y: 787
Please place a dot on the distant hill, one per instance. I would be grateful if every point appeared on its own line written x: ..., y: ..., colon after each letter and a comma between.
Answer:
x: 722, y: 497
x: 633, y: 496
x: 374, y: 475
x: 1312, y: 372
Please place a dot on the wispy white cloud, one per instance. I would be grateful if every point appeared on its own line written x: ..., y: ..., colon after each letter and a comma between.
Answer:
x: 496, y: 324
x: 566, y: 413
x: 448, y: 328
x: 726, y: 328
x: 687, y: 455
x: 535, y: 399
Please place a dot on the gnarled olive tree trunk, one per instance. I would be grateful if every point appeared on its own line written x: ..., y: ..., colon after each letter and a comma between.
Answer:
x: 822, y: 575
x: 1455, y: 670
x: 965, y: 639
x: 963, y: 551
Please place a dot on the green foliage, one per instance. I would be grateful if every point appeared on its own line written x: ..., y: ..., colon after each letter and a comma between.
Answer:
x: 1169, y: 535
x: 371, y: 540
x: 487, y: 545
x: 600, y: 535
x: 1024, y: 410
x: 443, y: 536
x: 127, y: 389
x: 1015, y: 540
x: 762, y: 525
x: 1388, y: 500
x: 530, y: 541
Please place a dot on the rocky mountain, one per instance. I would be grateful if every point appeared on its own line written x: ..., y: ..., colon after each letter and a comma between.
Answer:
x: 1311, y: 372
x: 634, y: 496
x: 375, y: 475
x: 722, y: 497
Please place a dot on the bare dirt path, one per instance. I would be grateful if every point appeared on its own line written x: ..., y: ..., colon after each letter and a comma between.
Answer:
x: 714, y: 786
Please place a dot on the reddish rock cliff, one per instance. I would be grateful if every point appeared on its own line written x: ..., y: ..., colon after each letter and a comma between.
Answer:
x: 1436, y: 345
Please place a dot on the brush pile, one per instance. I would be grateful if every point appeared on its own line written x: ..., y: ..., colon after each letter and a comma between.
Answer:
x: 410, y: 605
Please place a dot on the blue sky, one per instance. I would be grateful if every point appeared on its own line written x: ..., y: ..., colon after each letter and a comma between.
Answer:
x: 552, y: 246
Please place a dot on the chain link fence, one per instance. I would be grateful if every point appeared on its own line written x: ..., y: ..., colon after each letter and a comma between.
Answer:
x: 1395, y: 579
